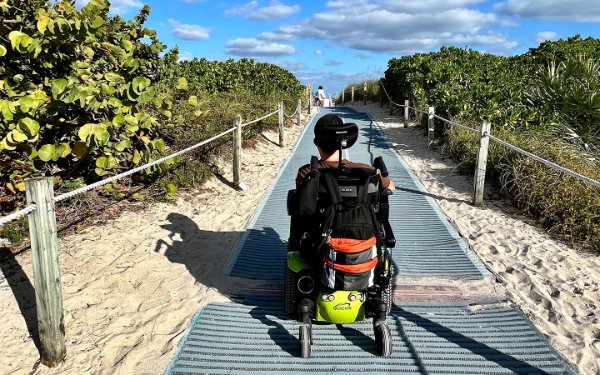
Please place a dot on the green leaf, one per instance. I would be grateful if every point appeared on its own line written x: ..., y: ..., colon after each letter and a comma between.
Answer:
x: 17, y: 136
x: 146, y: 96
x: 182, y: 84
x: 136, y: 157
x: 100, y: 171
x: 2, y: 50
x: 102, y: 162
x: 97, y: 22
x: 118, y: 120
x: 29, y: 126
x: 96, y: 132
x: 158, y: 145
x: 114, y: 77
x: 127, y: 45
x: 58, y: 87
x: 63, y: 150
x: 170, y: 191
x: 46, y: 152
x: 15, y: 38
x: 193, y: 101
x: 139, y: 84
x: 137, y: 196
x: 121, y: 146
x: 42, y: 23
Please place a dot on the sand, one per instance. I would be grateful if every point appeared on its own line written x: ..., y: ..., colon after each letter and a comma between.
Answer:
x: 132, y: 285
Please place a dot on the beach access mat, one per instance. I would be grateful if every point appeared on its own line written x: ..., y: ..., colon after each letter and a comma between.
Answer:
x: 253, y: 336
x: 427, y: 244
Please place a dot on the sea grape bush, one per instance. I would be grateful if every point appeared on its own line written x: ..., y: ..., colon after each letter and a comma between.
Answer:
x: 84, y: 94
x: 546, y: 101
x: 73, y: 84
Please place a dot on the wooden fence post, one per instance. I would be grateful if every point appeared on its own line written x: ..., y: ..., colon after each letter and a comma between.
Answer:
x: 310, y: 99
x: 405, y: 113
x: 343, y: 99
x: 280, y: 107
x: 431, y: 126
x: 299, y: 112
x: 482, y: 152
x: 352, y: 99
x: 237, y: 150
x: 46, y: 271
x: 365, y: 94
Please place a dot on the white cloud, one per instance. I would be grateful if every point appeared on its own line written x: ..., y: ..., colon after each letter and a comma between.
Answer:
x: 276, y: 37
x: 318, y: 52
x: 242, y: 10
x: 292, y: 66
x: 575, y: 11
x: 257, y: 47
x: 274, y: 11
x: 189, y: 32
x: 119, y: 7
x: 405, y: 27
x: 362, y: 56
x: 545, y: 35
x: 332, y: 63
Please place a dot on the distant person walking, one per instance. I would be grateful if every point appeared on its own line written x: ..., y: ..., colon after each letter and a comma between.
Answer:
x: 320, y: 96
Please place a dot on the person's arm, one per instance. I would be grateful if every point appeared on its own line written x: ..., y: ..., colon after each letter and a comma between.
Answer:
x: 302, y: 173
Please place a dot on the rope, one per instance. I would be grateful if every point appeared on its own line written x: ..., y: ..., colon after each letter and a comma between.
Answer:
x: 293, y: 114
x: 548, y: 163
x: 151, y: 164
x: 136, y: 169
x: 259, y: 119
x: 456, y: 124
x: 515, y: 148
x: 25, y: 211
x: 390, y: 99
x: 18, y: 214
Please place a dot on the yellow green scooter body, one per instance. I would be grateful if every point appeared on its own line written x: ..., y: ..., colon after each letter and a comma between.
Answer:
x: 340, y: 307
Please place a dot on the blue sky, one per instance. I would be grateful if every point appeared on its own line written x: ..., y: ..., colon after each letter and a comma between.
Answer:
x: 333, y: 43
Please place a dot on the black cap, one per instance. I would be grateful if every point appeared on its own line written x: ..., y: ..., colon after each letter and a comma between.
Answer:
x: 330, y: 131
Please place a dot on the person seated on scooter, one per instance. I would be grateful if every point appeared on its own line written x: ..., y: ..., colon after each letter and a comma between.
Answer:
x: 330, y: 155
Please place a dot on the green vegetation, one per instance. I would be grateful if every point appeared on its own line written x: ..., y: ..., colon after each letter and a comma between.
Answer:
x: 359, y: 92
x: 545, y: 101
x: 84, y: 95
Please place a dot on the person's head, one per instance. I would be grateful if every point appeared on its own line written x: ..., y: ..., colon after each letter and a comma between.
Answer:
x: 325, y: 123
x: 320, y: 88
x: 330, y: 130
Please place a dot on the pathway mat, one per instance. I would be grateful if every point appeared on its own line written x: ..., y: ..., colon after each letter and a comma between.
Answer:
x: 255, y: 337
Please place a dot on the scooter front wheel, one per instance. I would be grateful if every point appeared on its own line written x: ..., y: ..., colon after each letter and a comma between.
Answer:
x: 305, y: 340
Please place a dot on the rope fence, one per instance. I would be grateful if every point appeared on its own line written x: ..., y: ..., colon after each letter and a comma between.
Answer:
x: 484, y: 137
x: 43, y: 234
x: 18, y: 214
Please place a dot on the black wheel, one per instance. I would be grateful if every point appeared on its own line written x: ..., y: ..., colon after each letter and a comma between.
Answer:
x: 305, y: 340
x: 387, y: 296
x: 383, y: 338
x: 289, y: 297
